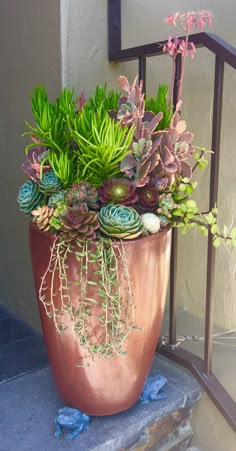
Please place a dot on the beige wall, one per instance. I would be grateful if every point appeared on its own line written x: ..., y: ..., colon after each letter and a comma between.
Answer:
x: 85, y: 64
x: 30, y: 54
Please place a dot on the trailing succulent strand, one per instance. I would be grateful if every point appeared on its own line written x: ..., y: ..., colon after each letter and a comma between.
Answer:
x: 112, y: 310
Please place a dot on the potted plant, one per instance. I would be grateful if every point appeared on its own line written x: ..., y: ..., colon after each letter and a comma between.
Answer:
x: 108, y: 179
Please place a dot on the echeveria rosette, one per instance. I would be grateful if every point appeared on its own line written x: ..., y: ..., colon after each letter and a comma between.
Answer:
x: 119, y: 221
x: 56, y: 198
x: 118, y: 191
x: 30, y: 198
x: 82, y: 192
x: 49, y: 183
x: 151, y: 222
x: 148, y: 197
x: 79, y: 223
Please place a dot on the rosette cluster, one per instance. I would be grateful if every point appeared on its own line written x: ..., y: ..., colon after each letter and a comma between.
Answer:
x: 82, y: 192
x: 119, y: 221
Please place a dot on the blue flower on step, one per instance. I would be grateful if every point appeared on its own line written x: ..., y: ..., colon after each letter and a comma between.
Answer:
x: 72, y: 421
x: 153, y: 389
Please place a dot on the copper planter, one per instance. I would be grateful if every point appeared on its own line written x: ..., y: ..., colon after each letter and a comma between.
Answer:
x: 111, y: 385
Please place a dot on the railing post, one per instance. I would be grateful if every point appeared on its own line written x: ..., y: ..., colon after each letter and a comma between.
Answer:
x: 114, y: 25
x: 142, y: 71
x: 215, y: 158
x: 173, y: 261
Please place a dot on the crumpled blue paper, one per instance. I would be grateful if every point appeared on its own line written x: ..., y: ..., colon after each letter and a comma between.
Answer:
x: 152, y: 390
x: 70, y: 423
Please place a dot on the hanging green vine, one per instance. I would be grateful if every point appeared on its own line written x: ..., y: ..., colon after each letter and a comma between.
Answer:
x: 101, y: 321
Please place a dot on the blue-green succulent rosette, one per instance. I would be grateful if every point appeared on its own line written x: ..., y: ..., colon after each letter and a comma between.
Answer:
x: 120, y: 222
x: 30, y: 198
x: 56, y: 198
x: 49, y: 183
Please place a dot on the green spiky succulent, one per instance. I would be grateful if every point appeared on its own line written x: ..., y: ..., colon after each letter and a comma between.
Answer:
x: 29, y: 197
x: 119, y: 221
x: 49, y: 183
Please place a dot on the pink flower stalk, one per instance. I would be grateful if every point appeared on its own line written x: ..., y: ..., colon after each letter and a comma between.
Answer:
x: 175, y: 46
x: 80, y: 101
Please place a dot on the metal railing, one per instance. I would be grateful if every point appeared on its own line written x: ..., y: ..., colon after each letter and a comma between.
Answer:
x: 224, y: 53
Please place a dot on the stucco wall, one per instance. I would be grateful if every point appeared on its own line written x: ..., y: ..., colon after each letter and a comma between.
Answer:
x: 30, y: 54
x: 84, y: 44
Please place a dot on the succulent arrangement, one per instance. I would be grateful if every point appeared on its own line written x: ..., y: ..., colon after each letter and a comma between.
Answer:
x: 110, y: 169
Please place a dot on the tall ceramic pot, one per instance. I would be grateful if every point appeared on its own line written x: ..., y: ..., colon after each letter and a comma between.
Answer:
x: 109, y: 385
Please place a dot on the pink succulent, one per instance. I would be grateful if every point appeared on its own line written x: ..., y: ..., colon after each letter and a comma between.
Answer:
x: 32, y: 164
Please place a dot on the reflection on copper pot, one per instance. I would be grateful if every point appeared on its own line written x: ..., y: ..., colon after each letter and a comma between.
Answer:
x: 111, y: 385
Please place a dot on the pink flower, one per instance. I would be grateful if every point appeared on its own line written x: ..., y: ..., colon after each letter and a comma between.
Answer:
x: 171, y: 19
x: 190, y: 20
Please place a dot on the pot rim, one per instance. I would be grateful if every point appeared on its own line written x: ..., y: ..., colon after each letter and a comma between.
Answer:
x: 52, y: 236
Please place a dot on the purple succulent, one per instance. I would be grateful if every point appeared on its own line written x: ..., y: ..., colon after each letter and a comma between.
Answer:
x: 175, y: 149
x: 148, y: 197
x: 143, y: 160
x: 79, y: 223
x: 132, y: 109
x: 118, y: 191
x: 32, y: 164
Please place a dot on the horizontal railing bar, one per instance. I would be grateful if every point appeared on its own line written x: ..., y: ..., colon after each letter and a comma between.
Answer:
x: 214, y: 389
x: 215, y: 44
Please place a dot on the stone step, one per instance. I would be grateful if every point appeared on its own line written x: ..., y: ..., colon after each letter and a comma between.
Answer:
x: 22, y: 349
x: 29, y: 405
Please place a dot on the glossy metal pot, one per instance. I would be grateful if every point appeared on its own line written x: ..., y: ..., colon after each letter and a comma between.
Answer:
x: 110, y: 385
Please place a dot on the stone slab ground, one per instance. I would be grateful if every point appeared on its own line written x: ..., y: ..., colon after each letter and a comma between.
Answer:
x: 28, y: 405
